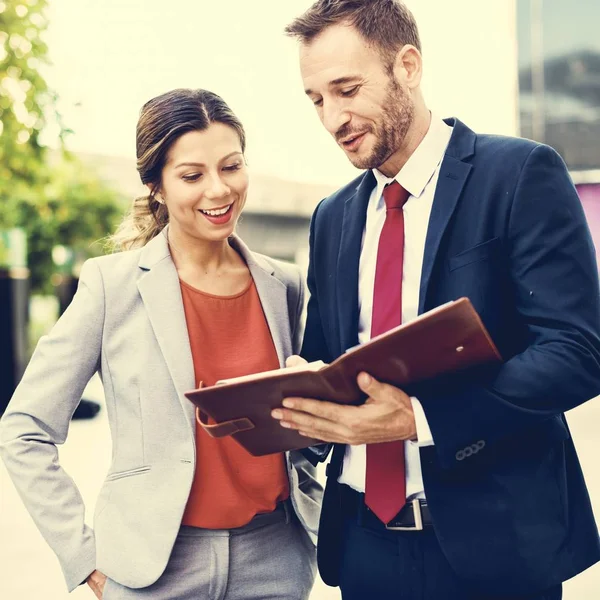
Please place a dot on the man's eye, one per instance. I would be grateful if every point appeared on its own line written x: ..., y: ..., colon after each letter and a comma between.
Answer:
x: 350, y: 92
x: 192, y: 178
x: 318, y: 102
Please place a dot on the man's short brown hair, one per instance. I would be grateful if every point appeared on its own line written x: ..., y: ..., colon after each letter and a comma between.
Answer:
x: 386, y: 24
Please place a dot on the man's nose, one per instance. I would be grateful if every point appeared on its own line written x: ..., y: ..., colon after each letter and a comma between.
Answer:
x: 334, y: 117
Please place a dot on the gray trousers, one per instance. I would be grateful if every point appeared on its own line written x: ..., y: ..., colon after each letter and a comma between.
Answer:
x: 270, y: 558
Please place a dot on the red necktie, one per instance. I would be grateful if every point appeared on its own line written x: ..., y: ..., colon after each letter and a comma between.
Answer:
x: 385, y: 486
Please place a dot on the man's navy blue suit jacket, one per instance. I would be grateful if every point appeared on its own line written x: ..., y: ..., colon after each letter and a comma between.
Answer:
x: 508, y: 231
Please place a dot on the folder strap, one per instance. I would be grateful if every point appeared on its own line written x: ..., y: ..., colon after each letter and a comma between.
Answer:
x: 219, y: 430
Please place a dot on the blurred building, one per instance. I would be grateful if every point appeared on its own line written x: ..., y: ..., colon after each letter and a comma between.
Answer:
x: 559, y: 80
x: 559, y: 77
x: 559, y: 88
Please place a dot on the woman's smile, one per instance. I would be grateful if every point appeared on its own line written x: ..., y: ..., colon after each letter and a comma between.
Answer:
x: 218, y: 216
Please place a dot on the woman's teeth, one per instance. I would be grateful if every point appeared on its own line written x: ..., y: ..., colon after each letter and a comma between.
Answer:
x: 216, y: 213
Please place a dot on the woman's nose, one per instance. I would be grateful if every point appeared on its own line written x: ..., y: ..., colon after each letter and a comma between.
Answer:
x: 217, y: 188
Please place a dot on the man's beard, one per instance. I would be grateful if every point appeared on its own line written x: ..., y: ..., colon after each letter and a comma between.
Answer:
x: 396, y: 118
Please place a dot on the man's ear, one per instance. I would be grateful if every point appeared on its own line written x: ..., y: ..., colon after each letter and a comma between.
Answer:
x: 408, y: 66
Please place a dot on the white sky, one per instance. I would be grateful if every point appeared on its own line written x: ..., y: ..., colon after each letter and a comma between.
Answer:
x: 111, y: 56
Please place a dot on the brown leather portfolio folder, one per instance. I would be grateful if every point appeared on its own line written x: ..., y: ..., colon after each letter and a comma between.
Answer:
x: 444, y: 340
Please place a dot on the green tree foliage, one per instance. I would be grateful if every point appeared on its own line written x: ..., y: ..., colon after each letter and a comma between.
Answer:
x: 55, y: 201
x: 78, y: 210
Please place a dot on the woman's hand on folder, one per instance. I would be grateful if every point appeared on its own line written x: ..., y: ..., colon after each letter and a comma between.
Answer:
x: 295, y: 361
x: 387, y: 415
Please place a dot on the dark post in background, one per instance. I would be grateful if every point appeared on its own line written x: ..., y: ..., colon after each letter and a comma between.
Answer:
x: 14, y: 317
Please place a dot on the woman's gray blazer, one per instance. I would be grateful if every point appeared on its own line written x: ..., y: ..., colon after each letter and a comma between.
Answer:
x: 127, y: 323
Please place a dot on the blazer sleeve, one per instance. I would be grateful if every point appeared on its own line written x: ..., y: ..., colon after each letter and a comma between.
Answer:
x: 313, y: 345
x: 37, y: 420
x: 552, y: 267
x: 297, y: 315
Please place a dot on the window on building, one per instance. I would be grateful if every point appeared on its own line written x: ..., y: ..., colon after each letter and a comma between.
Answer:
x: 559, y: 77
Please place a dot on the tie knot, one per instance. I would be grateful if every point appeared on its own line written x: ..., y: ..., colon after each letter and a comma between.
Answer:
x: 395, y: 195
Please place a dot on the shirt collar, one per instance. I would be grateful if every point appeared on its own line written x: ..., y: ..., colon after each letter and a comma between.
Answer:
x: 422, y: 164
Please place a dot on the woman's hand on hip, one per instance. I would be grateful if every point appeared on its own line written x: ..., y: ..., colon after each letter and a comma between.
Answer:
x: 97, y: 581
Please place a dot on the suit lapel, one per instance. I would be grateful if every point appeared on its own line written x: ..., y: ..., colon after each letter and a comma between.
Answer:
x: 348, y: 261
x: 273, y: 298
x: 161, y: 294
x: 452, y: 178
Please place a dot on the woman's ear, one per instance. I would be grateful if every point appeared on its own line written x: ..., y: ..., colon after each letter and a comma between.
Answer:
x: 154, y: 193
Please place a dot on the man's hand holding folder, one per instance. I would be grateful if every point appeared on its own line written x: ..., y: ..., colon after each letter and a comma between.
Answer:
x: 385, y: 416
x: 358, y: 398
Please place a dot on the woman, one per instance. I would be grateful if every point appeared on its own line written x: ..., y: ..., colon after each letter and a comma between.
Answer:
x: 180, y: 515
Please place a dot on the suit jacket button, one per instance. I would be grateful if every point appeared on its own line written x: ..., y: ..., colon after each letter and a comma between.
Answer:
x: 460, y: 455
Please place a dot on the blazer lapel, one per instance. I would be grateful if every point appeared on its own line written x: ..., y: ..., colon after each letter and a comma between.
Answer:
x: 453, y: 176
x: 273, y: 298
x: 161, y: 294
x: 348, y: 260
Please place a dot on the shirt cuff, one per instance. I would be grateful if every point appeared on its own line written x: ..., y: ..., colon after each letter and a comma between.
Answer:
x: 424, y: 437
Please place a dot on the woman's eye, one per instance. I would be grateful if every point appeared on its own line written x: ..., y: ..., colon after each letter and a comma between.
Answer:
x: 232, y: 167
x: 192, y: 178
x: 318, y: 102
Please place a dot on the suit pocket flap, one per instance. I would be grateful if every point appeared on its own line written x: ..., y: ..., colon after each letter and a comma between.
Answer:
x: 127, y: 473
x: 474, y: 254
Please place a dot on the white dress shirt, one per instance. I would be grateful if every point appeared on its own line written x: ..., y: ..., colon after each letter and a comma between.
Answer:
x: 419, y: 177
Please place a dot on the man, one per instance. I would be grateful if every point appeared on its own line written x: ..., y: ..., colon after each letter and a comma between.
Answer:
x: 482, y: 461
